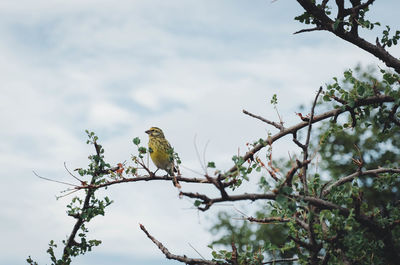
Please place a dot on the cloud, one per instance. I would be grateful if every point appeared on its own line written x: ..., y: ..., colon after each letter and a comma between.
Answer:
x: 107, y: 115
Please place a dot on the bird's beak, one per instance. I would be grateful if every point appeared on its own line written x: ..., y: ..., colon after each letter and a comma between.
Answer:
x: 148, y: 131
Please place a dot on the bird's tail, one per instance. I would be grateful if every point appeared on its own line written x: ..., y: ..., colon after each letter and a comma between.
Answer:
x: 172, y: 172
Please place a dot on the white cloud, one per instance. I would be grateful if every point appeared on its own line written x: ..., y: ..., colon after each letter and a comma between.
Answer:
x: 146, y: 98
x: 105, y: 114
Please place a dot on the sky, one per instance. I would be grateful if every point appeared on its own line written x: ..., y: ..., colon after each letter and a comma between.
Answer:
x: 117, y: 68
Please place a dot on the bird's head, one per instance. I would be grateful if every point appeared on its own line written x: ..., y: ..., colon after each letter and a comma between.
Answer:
x: 155, y: 132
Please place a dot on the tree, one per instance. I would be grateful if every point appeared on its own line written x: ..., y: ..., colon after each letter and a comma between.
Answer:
x: 332, y: 217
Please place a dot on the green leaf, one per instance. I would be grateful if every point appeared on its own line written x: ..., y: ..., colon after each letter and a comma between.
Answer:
x: 211, y: 165
x: 274, y: 100
x: 336, y: 24
x: 136, y: 140
x: 287, y: 190
x: 281, y: 199
x: 361, y: 90
x: 142, y: 150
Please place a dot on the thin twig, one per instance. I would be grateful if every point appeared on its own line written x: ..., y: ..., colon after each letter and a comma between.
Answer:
x: 268, y: 220
x: 308, y: 30
x: 281, y: 260
x: 196, y: 250
x: 204, y: 155
x: 52, y: 180
x: 65, y: 166
x: 306, y: 144
x: 65, y: 195
x: 198, y: 154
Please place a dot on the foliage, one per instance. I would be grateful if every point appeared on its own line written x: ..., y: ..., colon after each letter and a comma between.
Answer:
x: 83, y: 210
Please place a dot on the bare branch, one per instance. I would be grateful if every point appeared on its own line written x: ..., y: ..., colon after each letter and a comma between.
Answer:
x: 52, y: 180
x: 309, y: 30
x: 208, y: 202
x: 305, y: 149
x: 192, y: 261
x: 276, y: 125
x: 65, y: 166
x: 281, y: 260
x: 169, y: 255
x: 268, y: 220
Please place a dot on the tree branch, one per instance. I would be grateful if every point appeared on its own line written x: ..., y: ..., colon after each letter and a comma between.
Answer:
x: 317, y: 28
x: 328, y: 24
x: 332, y: 113
x: 276, y: 125
x: 184, y: 259
x: 373, y: 172
x: 305, y: 148
x: 208, y: 202
x: 145, y: 178
x: 268, y: 220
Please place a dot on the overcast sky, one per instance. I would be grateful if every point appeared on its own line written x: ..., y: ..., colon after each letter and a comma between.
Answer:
x: 120, y: 67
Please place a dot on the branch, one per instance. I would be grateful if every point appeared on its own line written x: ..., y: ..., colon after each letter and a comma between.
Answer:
x: 145, y: 178
x: 309, y: 30
x: 268, y: 220
x: 208, y: 202
x: 332, y: 113
x: 169, y: 255
x: 328, y: 24
x: 364, y: 220
x: 276, y: 125
x: 292, y: 171
x: 192, y: 261
x: 305, y: 148
x: 80, y: 219
x: 349, y: 178
x: 340, y: 14
x: 280, y: 260
x: 357, y: 8
x: 392, y: 115
x: 219, y: 185
x: 52, y: 180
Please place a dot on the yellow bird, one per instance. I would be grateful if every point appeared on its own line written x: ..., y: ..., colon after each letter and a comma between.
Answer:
x: 161, y: 152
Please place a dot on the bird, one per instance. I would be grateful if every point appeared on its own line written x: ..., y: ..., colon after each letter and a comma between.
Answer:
x: 161, y: 152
